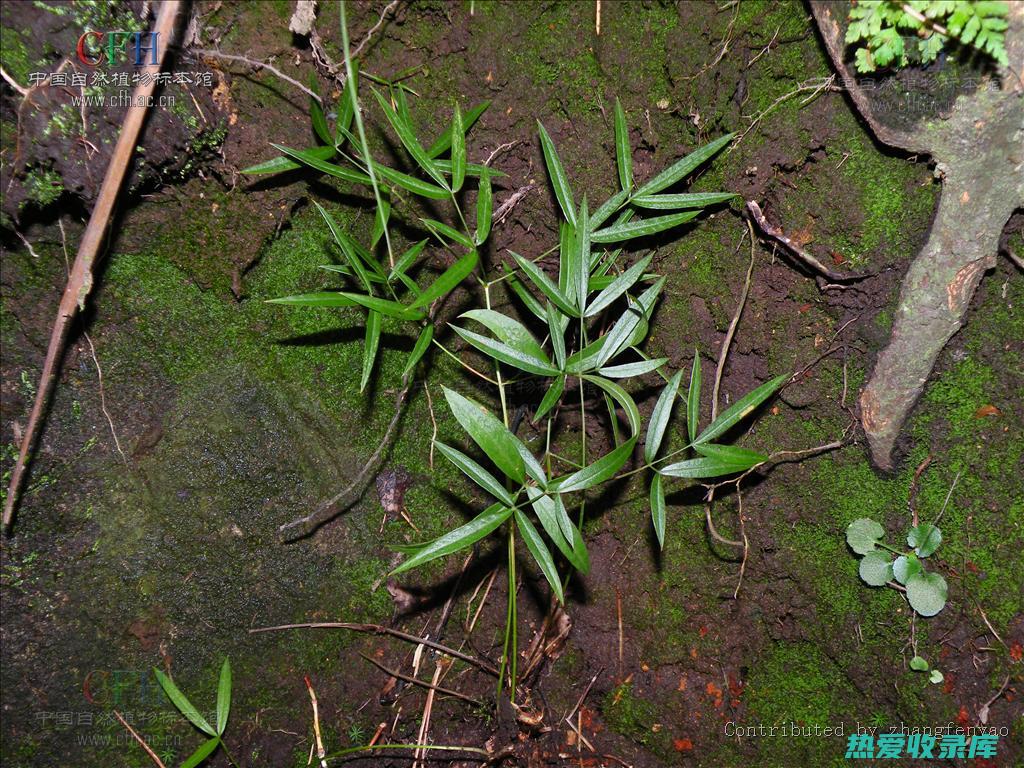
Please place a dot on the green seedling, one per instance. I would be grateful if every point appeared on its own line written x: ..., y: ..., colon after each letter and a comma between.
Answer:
x: 190, y: 713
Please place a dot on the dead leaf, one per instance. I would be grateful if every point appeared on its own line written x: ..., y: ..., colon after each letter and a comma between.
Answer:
x: 987, y: 410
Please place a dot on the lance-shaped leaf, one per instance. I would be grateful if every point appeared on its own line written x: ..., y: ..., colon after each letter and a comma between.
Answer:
x: 642, y: 227
x: 529, y: 300
x: 380, y: 221
x: 743, y: 458
x: 444, y: 141
x: 458, y: 150
x: 320, y: 299
x: 623, y: 152
x: 556, y: 172
x: 507, y: 354
x: 741, y: 409
x: 722, y: 460
x: 693, y: 398
x: 386, y: 307
x: 610, y: 206
x: 370, y: 346
x: 683, y: 200
x: 346, y: 108
x: 472, y: 169
x: 420, y: 348
x: 508, y: 330
x: 621, y: 397
x: 632, y: 322
x: 202, y: 752
x: 582, y: 260
x: 223, y: 696
x: 409, y: 141
x: 560, y: 529
x: 441, y: 231
x: 629, y: 370
x: 447, y: 281
x: 316, y: 113
x: 405, y: 260
x: 550, y: 398
x: 540, y: 553
x: 476, y: 473
x: 660, y: 417
x: 183, y: 704
x: 658, y: 509
x: 557, y: 333
x: 597, y: 472
x: 410, y: 183
x: 484, y: 202
x: 588, y: 358
x: 280, y: 164
x: 314, y: 160
x: 544, y: 284
x: 618, y: 286
x: 567, y: 261
x: 460, y: 538
x: 684, y: 167
x: 493, y: 437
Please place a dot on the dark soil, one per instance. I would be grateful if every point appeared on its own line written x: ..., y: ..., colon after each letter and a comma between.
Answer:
x: 235, y: 418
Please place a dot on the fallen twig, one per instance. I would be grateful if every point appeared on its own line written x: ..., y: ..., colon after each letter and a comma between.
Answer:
x: 423, y: 683
x: 321, y: 753
x: 807, y: 258
x: 259, y: 65
x: 378, y: 629
x: 149, y: 750
x: 79, y: 284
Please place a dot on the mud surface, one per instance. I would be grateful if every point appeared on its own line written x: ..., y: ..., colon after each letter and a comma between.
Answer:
x: 233, y: 417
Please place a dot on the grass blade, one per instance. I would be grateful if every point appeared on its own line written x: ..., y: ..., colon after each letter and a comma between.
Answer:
x: 582, y: 260
x: 461, y: 537
x: 623, y: 152
x: 556, y: 171
x: 557, y: 334
x: 621, y: 397
x: 713, y: 466
x: 684, y: 167
x: 406, y: 260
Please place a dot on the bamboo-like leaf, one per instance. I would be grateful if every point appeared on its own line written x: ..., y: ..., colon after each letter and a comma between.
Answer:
x: 684, y: 200
x: 619, y: 286
x: 476, y: 473
x: 642, y: 227
x: 711, y: 466
x: 447, y: 281
x: 540, y: 553
x: 684, y: 167
x: 582, y: 261
x: 693, y: 398
x: 420, y: 348
x: 508, y: 330
x: 406, y: 260
x: 386, y: 306
x: 380, y: 221
x: 472, y: 169
x: 410, y: 183
x: 529, y: 300
x: 183, y: 704
x: 624, y: 332
x: 550, y: 398
x: 598, y: 471
x: 623, y: 151
x: 444, y: 141
x: 316, y: 114
x: 223, y: 697
x: 280, y: 164
x: 314, y: 161
x: 741, y: 409
x: 556, y: 172
x: 346, y: 108
x: 567, y: 253
x: 458, y: 150
x: 588, y: 358
x: 660, y: 417
x: 548, y: 288
x: 484, y: 202
x: 370, y: 346
x: 410, y: 142
x: 560, y: 529
x: 658, y: 509
x: 441, y: 231
x: 507, y: 354
x: 741, y: 457
x: 320, y: 299
x: 630, y: 370
x: 460, y: 538
x: 620, y: 396
x: 202, y: 752
x: 609, y: 207
x: 493, y: 437
x: 557, y: 334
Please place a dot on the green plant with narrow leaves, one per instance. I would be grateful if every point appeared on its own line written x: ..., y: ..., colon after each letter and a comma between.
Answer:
x: 882, y: 565
x: 190, y: 713
x: 580, y: 337
x: 895, y: 33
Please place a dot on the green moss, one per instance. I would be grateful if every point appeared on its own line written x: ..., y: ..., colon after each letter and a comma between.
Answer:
x: 633, y: 717
x: 43, y: 186
x: 16, y: 59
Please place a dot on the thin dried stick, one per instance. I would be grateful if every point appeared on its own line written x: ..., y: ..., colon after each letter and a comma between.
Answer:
x: 807, y: 258
x: 378, y: 629
x: 380, y: 23
x: 80, y: 282
x: 423, y: 683
x: 724, y: 353
x: 259, y: 65
x: 428, y: 710
x: 103, y: 398
x: 320, y: 751
x: 149, y: 751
